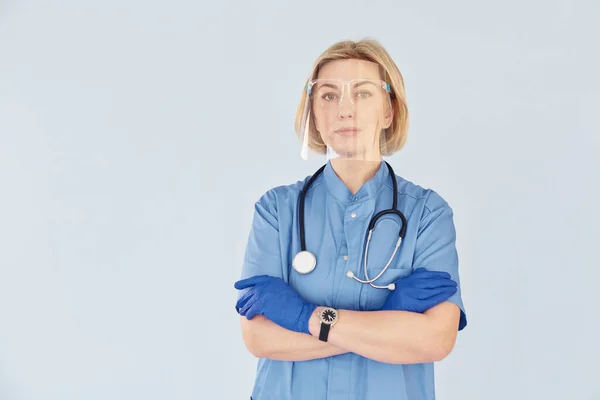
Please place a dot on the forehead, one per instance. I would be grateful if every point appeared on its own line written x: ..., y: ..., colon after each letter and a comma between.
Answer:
x: 349, y: 69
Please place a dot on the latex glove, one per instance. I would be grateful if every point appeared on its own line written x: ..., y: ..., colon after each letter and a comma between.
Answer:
x: 276, y: 300
x: 420, y: 291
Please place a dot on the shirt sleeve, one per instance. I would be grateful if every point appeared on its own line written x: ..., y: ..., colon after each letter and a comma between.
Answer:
x: 436, y: 246
x: 263, y: 253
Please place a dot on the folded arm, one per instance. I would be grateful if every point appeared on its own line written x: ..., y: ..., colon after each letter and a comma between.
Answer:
x: 395, y: 337
x: 265, y: 339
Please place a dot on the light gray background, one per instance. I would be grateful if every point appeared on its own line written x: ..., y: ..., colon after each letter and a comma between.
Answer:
x: 135, y: 137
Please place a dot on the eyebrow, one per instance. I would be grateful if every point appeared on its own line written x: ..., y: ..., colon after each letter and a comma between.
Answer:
x: 330, y: 85
x: 364, y: 82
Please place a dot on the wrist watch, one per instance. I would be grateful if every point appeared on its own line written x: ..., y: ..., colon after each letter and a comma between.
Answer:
x: 328, y: 317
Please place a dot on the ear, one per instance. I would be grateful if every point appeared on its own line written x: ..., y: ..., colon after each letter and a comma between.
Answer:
x: 389, y: 117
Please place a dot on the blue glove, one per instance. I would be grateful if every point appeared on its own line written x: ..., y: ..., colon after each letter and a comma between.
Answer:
x: 276, y: 300
x: 420, y: 291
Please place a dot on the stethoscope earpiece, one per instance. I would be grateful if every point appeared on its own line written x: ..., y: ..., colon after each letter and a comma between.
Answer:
x: 305, y: 262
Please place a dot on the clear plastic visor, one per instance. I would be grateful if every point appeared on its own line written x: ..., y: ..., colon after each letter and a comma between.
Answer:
x: 346, y: 119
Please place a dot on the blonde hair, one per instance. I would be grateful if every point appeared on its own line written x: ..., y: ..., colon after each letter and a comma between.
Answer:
x: 367, y: 50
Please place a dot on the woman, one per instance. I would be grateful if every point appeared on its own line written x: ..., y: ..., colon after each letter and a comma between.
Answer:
x: 310, y: 309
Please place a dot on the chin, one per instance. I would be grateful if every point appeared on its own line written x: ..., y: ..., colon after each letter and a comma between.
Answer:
x: 345, y: 150
x: 349, y: 154
x: 345, y: 145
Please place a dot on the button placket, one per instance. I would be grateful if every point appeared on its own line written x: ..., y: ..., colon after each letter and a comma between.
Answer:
x: 353, y: 230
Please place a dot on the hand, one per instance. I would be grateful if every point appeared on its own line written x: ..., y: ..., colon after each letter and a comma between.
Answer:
x: 420, y: 291
x: 276, y: 300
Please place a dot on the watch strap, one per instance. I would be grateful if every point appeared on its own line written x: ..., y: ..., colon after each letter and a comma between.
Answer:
x: 324, y: 333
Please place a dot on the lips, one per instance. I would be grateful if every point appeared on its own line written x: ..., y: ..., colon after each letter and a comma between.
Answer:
x: 347, y: 131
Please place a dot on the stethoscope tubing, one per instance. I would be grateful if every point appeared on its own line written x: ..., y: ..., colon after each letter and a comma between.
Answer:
x: 372, y: 223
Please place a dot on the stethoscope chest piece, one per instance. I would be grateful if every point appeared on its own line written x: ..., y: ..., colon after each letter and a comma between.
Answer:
x: 304, y: 262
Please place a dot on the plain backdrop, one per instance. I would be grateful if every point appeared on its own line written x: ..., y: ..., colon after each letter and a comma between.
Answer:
x: 135, y: 137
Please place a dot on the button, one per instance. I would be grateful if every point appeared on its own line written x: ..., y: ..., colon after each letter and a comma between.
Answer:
x: 345, y: 257
x: 355, y: 198
x: 353, y: 215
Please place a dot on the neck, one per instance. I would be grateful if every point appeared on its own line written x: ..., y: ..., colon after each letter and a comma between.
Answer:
x: 355, y: 173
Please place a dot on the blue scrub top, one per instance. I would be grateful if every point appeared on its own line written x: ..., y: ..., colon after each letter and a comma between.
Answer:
x: 336, y: 224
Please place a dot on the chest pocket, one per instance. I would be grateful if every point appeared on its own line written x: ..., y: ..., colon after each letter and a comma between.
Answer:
x: 381, y: 247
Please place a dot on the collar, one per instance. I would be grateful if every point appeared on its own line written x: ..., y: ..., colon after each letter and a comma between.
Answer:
x: 368, y: 190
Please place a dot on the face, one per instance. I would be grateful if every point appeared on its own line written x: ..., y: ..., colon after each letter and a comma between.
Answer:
x: 351, y: 108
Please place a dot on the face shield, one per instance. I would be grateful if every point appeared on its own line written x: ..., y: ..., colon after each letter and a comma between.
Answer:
x: 346, y: 119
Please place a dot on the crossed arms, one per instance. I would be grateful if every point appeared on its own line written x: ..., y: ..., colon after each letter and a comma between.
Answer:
x: 396, y: 337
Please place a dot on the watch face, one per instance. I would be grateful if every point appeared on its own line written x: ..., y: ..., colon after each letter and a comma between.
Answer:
x: 328, y: 315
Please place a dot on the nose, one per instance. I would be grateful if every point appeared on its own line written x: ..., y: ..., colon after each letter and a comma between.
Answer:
x: 346, y: 107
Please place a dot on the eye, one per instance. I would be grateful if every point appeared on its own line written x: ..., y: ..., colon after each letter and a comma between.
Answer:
x: 329, y: 96
x: 363, y: 95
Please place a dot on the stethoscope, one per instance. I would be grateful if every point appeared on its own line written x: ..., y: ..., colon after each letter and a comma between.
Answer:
x: 305, y: 262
